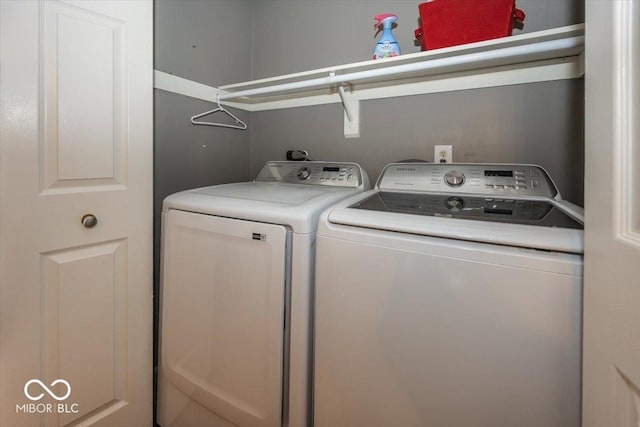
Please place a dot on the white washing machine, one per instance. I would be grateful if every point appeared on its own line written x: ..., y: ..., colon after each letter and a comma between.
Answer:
x: 450, y: 295
x: 237, y: 277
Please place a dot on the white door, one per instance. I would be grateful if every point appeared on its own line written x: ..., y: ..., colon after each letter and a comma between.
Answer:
x: 223, y: 312
x: 75, y: 314
x: 611, y: 365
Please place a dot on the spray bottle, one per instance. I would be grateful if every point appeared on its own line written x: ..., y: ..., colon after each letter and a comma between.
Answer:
x: 387, y: 45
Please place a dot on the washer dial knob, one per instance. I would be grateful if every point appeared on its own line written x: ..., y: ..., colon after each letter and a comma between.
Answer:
x: 454, y: 178
x: 304, y: 173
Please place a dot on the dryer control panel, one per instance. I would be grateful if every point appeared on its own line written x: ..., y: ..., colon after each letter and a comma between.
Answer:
x: 508, y: 180
x: 313, y: 173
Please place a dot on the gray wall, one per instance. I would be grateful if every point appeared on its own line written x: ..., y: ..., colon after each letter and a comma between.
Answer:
x: 208, y: 42
x: 537, y: 123
x: 534, y: 123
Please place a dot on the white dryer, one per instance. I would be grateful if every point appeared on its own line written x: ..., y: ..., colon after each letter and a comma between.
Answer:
x: 237, y: 278
x: 450, y: 295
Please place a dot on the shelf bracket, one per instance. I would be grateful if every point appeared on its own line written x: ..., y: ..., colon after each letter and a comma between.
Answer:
x: 345, y: 104
x: 352, y: 124
x: 351, y: 113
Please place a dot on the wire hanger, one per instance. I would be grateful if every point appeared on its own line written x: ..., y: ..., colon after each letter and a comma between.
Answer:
x: 239, y: 123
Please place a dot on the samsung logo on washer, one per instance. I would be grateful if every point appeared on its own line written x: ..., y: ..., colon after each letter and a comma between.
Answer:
x: 406, y: 169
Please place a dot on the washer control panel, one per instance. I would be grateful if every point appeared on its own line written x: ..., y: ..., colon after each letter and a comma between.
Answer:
x: 313, y: 173
x: 513, y: 180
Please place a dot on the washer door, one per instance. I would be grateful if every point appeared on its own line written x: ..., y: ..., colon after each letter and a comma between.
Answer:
x: 223, y: 308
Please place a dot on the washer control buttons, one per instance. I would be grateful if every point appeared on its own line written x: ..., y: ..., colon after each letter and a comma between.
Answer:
x: 454, y: 178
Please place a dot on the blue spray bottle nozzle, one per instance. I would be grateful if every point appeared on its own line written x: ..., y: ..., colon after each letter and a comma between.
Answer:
x: 385, y: 19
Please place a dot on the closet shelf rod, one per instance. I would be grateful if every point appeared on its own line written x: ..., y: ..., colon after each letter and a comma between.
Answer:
x: 514, y: 53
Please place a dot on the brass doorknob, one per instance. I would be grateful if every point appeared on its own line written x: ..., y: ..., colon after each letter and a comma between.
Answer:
x: 89, y: 220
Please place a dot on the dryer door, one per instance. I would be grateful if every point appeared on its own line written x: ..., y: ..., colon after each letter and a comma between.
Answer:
x: 223, y: 308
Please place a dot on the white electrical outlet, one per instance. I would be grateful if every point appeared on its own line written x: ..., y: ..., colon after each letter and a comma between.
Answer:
x: 442, y: 153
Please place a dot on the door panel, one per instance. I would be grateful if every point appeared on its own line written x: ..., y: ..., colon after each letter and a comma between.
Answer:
x: 76, y: 301
x: 223, y: 313
x: 611, y: 368
x: 85, y: 323
x: 85, y: 108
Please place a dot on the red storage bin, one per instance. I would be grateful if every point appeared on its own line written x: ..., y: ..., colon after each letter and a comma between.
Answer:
x: 446, y: 23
